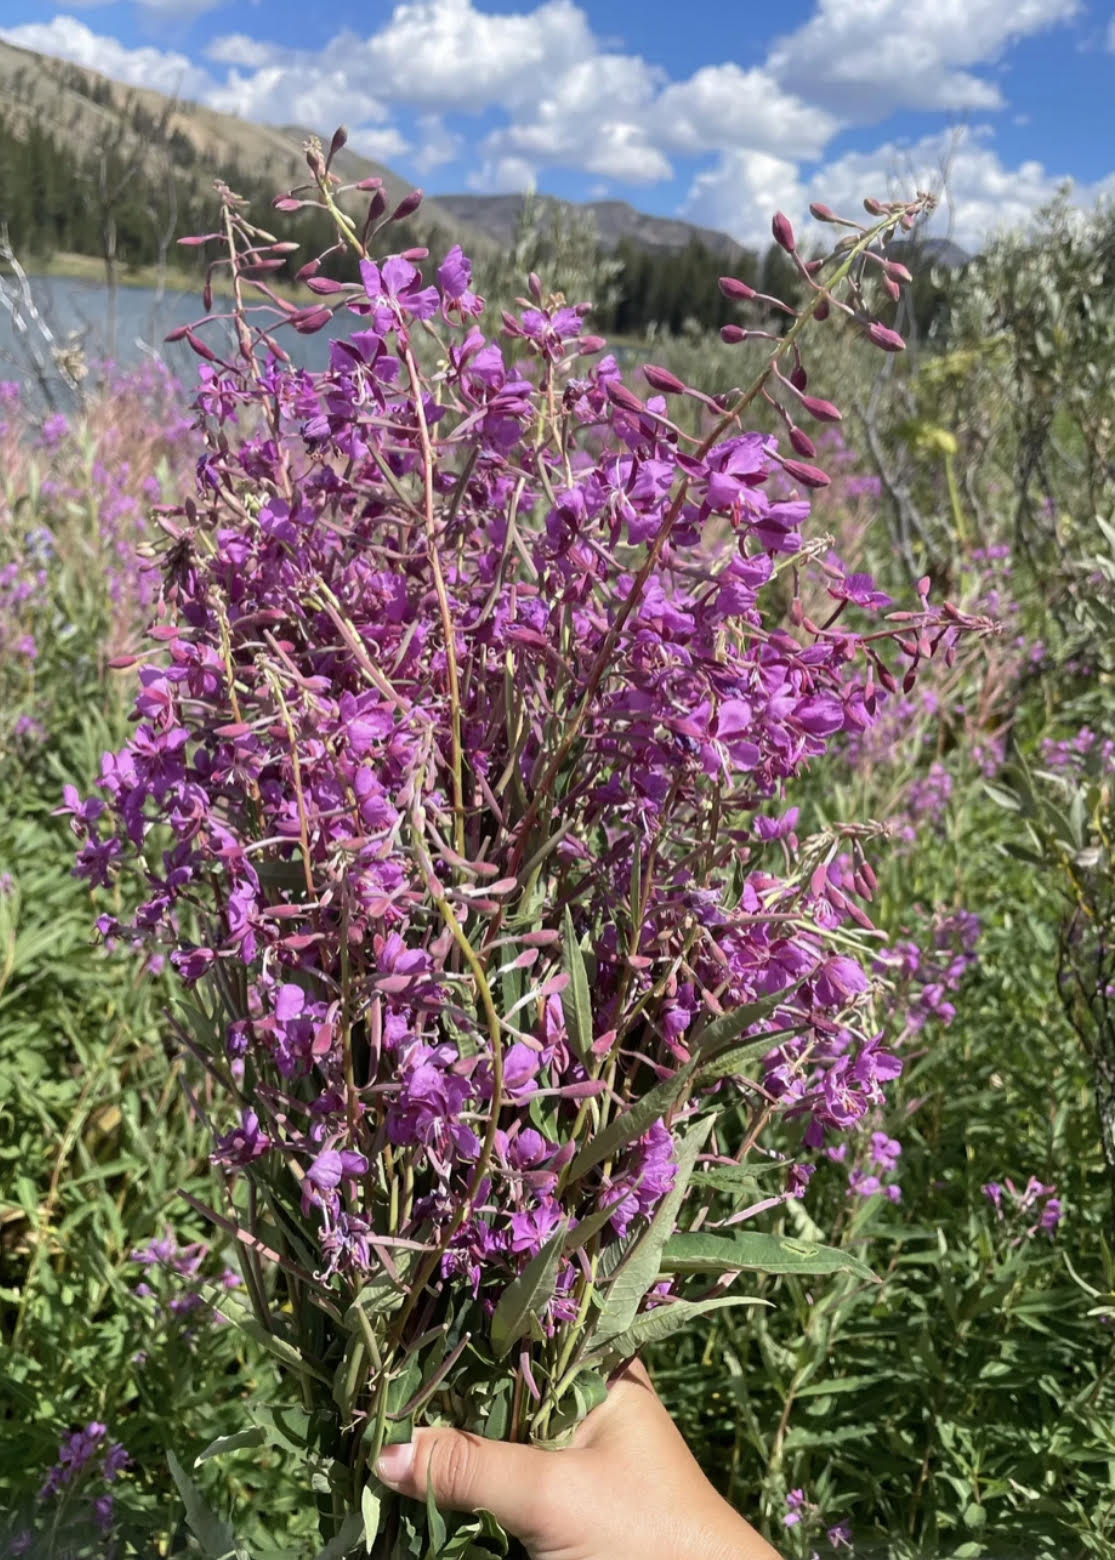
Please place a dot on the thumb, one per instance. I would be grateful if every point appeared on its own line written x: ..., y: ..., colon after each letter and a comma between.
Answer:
x: 470, y: 1473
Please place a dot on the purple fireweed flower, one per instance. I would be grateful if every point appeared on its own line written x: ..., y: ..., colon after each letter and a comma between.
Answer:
x: 445, y: 670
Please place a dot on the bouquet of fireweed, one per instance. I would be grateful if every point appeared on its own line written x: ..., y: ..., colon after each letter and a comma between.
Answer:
x: 476, y: 688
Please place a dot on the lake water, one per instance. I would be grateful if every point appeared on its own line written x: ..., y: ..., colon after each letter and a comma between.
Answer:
x: 80, y: 313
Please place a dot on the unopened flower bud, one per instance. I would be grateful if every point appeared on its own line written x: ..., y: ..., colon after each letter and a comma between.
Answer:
x: 873, y: 207
x: 813, y: 266
x: 823, y: 411
x: 892, y: 288
x: 340, y: 138
x: 415, y: 254
x: 287, y: 203
x: 195, y: 241
x: 822, y: 213
x: 307, y: 321
x: 407, y: 206
x: 370, y: 184
x: 311, y: 268
x: 822, y: 311
x: 798, y: 377
x: 802, y: 442
x: 783, y: 232
x: 587, y: 345
x: 883, y: 336
x: 621, y: 396
x: 808, y: 476
x: 662, y: 379
x: 733, y: 288
x: 732, y: 333
x: 200, y: 347
x: 896, y: 272
x: 323, y: 285
x: 534, y: 285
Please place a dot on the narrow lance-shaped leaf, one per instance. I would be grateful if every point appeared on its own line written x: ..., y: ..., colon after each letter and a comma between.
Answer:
x: 231, y: 1443
x: 640, y: 1270
x: 755, y: 1251
x: 215, y: 1538
x: 528, y: 1295
x: 575, y: 1001
x: 655, y: 1325
x: 634, y: 1122
x: 725, y: 1028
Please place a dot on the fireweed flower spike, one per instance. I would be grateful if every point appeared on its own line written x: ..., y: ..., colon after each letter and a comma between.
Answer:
x: 459, y: 780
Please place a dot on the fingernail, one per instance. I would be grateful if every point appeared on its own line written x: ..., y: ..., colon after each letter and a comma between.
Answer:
x: 395, y: 1463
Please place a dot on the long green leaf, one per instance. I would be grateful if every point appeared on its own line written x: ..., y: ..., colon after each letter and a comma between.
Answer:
x: 634, y: 1122
x: 576, y: 1003
x: 215, y: 1537
x: 721, y: 1031
x: 231, y: 1443
x: 528, y: 1295
x: 655, y: 1325
x: 350, y: 1534
x: 370, y: 1511
x: 753, y: 1251
x: 641, y: 1269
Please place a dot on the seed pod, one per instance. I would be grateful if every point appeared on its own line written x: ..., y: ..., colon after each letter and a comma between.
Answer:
x: 783, y: 232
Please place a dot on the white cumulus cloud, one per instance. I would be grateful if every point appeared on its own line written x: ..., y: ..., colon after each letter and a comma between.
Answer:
x: 861, y: 59
x: 69, y: 39
x: 979, y: 193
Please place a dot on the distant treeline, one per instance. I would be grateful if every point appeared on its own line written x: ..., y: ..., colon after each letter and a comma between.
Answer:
x: 132, y: 208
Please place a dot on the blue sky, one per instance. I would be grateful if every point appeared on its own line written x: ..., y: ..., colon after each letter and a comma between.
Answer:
x: 718, y: 110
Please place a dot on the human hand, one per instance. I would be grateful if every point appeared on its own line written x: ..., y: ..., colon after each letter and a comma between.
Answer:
x: 627, y: 1489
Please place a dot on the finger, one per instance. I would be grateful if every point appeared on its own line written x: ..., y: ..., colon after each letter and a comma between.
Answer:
x: 470, y: 1473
